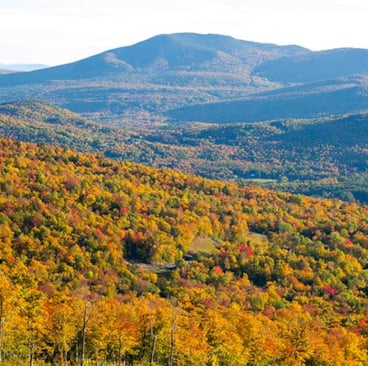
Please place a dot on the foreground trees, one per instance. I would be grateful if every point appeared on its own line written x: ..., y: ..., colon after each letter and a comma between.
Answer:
x: 151, y: 331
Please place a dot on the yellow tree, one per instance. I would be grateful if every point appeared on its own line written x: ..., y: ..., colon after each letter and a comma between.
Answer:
x: 226, y: 346
x: 62, y: 326
x: 29, y: 324
x: 114, y: 331
x: 259, y: 334
x: 8, y: 302
x: 191, y: 346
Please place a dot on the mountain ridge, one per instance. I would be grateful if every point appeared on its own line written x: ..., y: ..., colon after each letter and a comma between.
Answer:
x: 317, y: 66
x: 143, y: 82
x: 178, y: 50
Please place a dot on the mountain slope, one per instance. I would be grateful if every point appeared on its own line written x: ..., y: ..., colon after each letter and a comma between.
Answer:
x: 316, y: 66
x: 302, y: 102
x: 41, y: 122
x: 95, y: 253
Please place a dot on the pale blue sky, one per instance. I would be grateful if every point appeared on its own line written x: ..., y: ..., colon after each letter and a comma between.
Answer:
x: 60, y: 31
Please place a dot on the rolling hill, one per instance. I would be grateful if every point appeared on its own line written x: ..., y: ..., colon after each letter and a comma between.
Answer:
x: 321, y: 156
x: 316, y: 66
x: 306, y: 102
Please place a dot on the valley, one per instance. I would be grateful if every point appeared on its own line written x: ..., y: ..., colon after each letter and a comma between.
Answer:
x: 209, y: 105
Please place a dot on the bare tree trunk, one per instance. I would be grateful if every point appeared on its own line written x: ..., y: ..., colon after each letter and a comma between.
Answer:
x: 76, y: 352
x: 172, y: 337
x: 172, y: 342
x: 30, y: 352
x: 84, y: 334
x: 60, y: 352
x: 153, y: 350
x: 1, y: 329
x: 120, y: 356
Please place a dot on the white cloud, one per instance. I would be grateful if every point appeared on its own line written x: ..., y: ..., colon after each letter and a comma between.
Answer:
x: 57, y: 31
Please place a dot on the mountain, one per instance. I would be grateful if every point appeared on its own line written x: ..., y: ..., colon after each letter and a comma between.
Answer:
x: 144, y: 80
x: 143, y: 103
x: 173, y: 52
x: 4, y: 71
x: 22, y: 67
x: 103, y: 262
x: 211, y: 78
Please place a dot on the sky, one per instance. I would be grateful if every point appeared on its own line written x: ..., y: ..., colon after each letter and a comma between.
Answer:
x: 54, y: 32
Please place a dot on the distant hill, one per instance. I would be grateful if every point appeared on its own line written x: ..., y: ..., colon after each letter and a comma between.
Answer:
x: 41, y: 122
x: 316, y: 66
x: 22, y: 67
x: 305, y: 102
x: 4, y: 71
x: 143, y: 103
x: 321, y: 156
x: 182, y: 51
x: 35, y: 110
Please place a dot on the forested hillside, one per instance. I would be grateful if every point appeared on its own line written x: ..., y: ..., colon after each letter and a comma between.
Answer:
x: 122, y: 263
x: 322, y: 156
x: 305, y: 101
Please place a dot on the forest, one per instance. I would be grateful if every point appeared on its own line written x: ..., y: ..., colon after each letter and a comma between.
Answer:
x: 111, y: 263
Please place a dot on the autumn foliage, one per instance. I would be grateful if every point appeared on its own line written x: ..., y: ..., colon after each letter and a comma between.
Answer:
x: 117, y: 263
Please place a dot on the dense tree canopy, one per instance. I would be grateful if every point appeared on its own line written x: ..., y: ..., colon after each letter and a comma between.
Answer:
x: 117, y: 262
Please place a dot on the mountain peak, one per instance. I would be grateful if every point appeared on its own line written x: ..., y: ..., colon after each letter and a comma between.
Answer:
x: 174, y: 50
x: 177, y: 51
x: 186, y: 49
